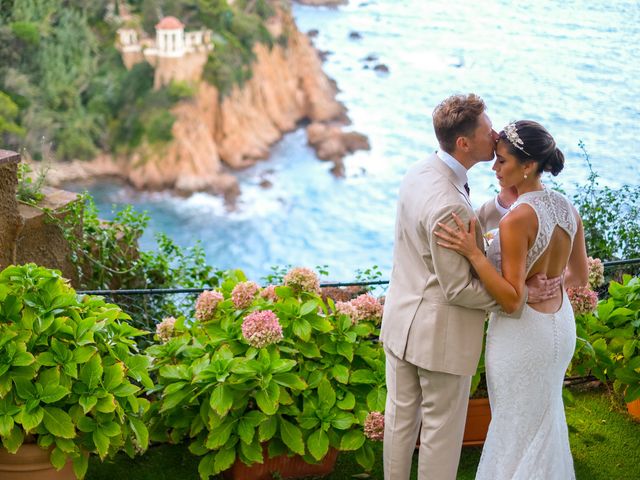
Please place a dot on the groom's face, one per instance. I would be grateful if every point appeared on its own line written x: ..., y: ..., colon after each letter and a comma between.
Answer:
x: 483, y: 141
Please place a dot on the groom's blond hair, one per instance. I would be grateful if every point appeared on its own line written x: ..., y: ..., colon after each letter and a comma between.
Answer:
x: 457, y: 116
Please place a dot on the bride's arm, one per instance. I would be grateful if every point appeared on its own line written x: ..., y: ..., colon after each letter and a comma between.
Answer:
x: 577, y: 274
x: 508, y: 289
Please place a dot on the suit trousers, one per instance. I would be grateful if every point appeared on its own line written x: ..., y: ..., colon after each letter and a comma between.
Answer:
x: 436, y: 400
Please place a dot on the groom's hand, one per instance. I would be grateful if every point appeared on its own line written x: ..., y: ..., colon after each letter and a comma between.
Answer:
x: 542, y: 288
x: 507, y: 196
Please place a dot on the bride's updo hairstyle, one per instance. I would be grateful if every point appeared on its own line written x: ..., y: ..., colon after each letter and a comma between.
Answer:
x: 529, y: 141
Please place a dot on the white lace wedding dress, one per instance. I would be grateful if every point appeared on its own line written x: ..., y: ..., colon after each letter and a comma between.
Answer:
x: 526, y: 359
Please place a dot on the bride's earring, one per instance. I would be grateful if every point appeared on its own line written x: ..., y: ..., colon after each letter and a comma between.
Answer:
x: 525, y: 176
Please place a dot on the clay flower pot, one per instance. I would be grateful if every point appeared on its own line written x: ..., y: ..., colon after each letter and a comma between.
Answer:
x: 477, y: 425
x: 31, y: 462
x: 287, y: 467
x: 634, y: 409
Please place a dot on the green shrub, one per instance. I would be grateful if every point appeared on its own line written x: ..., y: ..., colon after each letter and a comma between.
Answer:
x: 27, y: 32
x: 159, y: 125
x: 70, y: 375
x: 229, y: 391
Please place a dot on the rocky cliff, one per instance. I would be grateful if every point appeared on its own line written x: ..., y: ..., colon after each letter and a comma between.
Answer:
x: 288, y: 85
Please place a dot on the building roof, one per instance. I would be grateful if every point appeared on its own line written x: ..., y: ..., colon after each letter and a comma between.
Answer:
x: 169, y: 23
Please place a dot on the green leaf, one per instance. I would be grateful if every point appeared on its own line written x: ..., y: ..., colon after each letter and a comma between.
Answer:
x: 13, y: 441
x: 252, y: 451
x: 291, y: 436
x: 58, y: 422
x: 218, y: 436
x: 113, y: 376
x: 348, y: 402
x: 221, y: 399
x: 318, y: 444
x: 326, y: 393
x: 224, y: 459
x: 632, y: 393
x: 58, y: 458
x: 125, y: 389
x: 340, y: 373
x: 246, y: 430
x: 268, y: 428
x: 377, y: 399
x: 32, y: 419
x: 308, y: 307
x: 80, y: 465
x: 629, y: 348
x: 345, y: 349
x: 206, y: 466
x: 343, y: 420
x: 53, y: 393
x: 290, y: 380
x: 101, y: 442
x: 365, y: 456
x: 363, y: 376
x: 302, y: 329
x: 308, y: 349
x: 6, y: 424
x: 352, y: 440
x: 91, y: 372
x: 106, y: 404
x: 87, y: 402
x: 267, y: 399
x: 140, y: 431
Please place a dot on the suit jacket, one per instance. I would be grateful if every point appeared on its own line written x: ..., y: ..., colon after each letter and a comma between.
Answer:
x: 435, y: 307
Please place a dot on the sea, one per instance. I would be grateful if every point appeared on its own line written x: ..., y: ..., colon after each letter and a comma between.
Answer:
x: 571, y: 65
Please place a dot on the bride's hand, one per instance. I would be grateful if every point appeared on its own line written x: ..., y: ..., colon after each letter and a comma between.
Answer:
x: 460, y: 240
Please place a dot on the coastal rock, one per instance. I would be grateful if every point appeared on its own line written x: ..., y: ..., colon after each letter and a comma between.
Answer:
x: 332, y: 144
x: 382, y: 68
x: 287, y: 86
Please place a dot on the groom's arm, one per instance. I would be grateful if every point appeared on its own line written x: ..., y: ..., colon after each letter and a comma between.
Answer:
x: 452, y: 270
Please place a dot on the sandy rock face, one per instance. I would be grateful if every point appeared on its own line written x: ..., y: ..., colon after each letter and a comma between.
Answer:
x: 288, y: 86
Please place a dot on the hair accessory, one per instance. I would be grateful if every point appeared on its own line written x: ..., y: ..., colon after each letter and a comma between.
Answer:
x: 511, y: 132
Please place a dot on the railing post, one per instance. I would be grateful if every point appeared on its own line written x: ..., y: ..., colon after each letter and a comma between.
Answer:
x: 10, y: 220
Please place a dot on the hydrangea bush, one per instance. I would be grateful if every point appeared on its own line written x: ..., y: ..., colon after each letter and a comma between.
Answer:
x: 276, y: 370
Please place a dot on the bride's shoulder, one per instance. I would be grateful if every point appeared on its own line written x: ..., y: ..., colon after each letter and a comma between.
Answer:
x: 519, y: 216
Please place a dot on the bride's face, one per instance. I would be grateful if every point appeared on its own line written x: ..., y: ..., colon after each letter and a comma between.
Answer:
x: 509, y: 171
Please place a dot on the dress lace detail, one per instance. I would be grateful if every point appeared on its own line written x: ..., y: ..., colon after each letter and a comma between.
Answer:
x: 526, y: 359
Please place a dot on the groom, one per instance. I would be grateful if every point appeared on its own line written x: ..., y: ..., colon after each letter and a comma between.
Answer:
x: 435, y: 308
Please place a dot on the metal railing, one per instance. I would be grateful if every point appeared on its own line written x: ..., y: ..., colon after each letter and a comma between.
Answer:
x: 147, y: 307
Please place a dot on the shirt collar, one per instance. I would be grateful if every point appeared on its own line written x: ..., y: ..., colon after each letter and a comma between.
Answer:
x: 455, y: 165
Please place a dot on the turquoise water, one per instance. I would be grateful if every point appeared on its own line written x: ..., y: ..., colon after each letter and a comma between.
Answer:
x: 571, y: 65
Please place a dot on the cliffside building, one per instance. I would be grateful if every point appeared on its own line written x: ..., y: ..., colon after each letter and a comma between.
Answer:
x: 174, y: 54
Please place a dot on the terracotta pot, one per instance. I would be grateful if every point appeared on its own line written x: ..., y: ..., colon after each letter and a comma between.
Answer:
x: 634, y: 409
x: 478, y: 418
x: 287, y: 467
x: 31, y: 462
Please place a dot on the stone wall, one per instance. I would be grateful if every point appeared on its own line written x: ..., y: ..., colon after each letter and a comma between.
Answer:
x: 26, y: 232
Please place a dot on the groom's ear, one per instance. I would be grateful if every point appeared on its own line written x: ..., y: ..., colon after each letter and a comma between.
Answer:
x: 462, y: 144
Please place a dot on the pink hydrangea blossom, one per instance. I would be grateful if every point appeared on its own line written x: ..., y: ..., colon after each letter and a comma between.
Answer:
x: 165, y: 329
x: 269, y: 293
x: 207, y: 303
x: 374, y: 426
x: 367, y: 307
x: 596, y: 272
x: 244, y: 293
x: 302, y: 279
x: 346, y: 308
x: 261, y: 328
x: 583, y: 299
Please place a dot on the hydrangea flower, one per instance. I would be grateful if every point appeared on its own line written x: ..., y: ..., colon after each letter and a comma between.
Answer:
x: 206, y: 304
x: 269, y: 293
x: 261, y: 328
x: 374, y: 426
x: 367, y: 307
x: 165, y: 329
x: 596, y: 272
x: 302, y: 279
x: 583, y: 299
x: 244, y: 293
x: 346, y: 308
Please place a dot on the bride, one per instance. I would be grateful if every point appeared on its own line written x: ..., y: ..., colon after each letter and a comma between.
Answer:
x: 527, y: 354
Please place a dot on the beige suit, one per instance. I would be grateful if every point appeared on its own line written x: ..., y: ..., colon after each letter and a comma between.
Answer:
x: 432, y: 326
